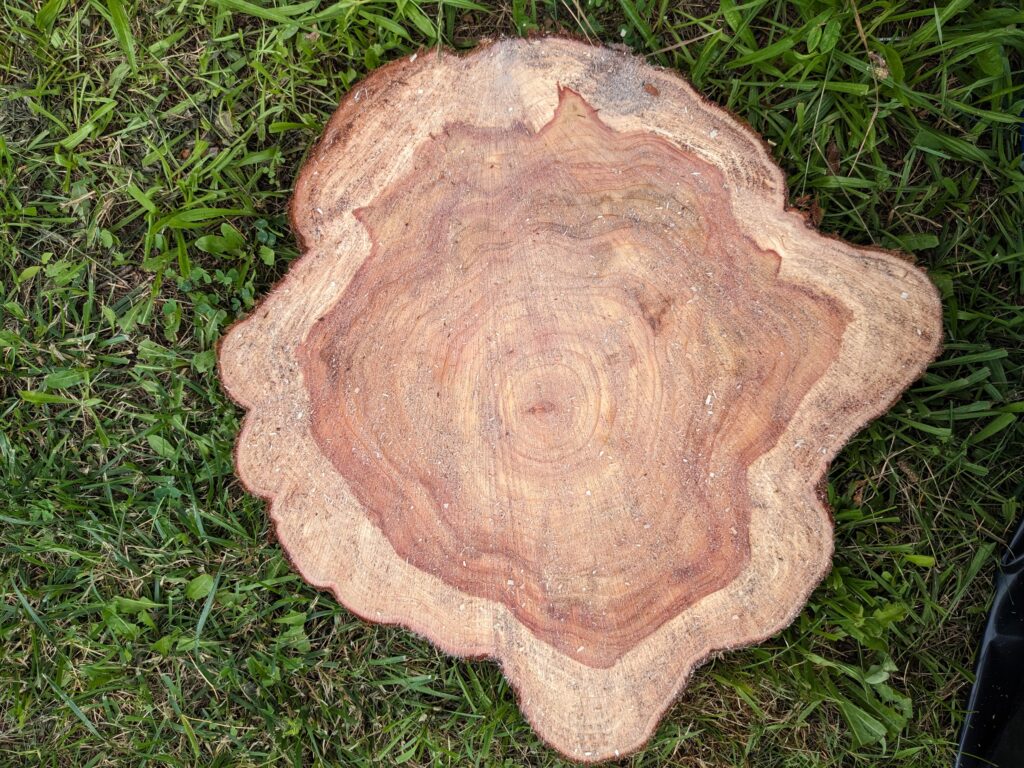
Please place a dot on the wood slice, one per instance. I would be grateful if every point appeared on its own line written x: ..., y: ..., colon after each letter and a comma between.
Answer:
x: 557, y: 376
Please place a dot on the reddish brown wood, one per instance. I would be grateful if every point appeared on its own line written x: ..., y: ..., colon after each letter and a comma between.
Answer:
x: 557, y: 376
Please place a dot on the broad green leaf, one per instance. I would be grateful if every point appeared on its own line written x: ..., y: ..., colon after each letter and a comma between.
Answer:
x: 161, y: 446
x: 199, y: 587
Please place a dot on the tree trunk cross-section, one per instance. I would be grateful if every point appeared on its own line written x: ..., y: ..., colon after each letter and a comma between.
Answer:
x: 557, y: 376
x: 553, y: 402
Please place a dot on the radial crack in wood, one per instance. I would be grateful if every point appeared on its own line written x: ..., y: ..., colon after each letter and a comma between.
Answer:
x: 558, y: 376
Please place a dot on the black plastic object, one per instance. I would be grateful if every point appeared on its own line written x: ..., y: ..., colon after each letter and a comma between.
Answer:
x: 993, y: 733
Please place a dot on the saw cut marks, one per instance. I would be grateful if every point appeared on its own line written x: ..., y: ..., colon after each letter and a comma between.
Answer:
x: 557, y: 376
x: 547, y: 391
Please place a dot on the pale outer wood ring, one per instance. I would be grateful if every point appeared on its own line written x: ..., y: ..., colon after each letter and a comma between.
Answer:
x: 586, y: 713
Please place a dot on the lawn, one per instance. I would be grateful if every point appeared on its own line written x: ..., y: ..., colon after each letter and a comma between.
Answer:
x: 147, y: 152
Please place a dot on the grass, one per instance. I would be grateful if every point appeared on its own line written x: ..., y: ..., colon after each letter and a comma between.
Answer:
x: 146, y: 156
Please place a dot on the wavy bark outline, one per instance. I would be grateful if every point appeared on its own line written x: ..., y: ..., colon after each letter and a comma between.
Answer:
x: 558, y: 376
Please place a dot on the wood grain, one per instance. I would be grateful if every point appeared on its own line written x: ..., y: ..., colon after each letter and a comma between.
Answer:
x: 557, y: 376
